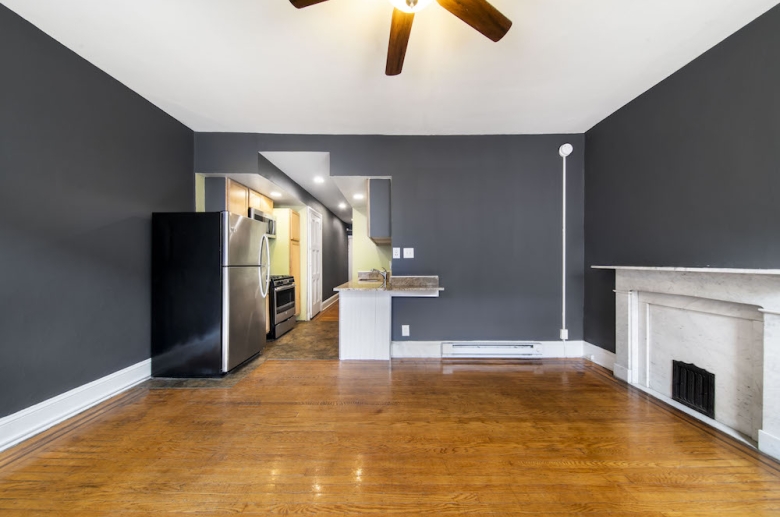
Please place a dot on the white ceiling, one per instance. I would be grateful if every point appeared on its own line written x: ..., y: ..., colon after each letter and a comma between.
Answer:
x: 264, y: 66
x: 351, y: 186
x: 302, y: 168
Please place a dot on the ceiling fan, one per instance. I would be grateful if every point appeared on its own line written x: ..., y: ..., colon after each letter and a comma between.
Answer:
x: 478, y: 13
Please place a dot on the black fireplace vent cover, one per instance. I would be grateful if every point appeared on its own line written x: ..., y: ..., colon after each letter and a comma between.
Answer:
x: 694, y: 387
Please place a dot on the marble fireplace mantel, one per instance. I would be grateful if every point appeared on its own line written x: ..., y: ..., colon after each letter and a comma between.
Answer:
x: 723, y: 319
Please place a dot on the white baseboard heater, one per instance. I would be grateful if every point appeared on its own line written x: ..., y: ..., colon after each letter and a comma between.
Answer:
x: 491, y: 349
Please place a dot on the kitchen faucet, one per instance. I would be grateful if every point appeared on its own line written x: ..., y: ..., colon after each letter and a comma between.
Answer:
x: 384, y: 276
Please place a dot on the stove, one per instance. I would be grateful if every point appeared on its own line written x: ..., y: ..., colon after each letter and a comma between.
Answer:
x: 281, y: 298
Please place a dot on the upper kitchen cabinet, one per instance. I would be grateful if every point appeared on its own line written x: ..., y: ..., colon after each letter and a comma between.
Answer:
x: 227, y: 194
x: 379, y: 211
x: 237, y: 198
x: 260, y: 202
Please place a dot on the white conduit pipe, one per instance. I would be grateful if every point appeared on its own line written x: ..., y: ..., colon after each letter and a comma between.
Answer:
x: 565, y: 150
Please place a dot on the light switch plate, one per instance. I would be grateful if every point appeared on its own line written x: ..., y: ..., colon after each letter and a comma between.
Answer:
x: 408, y: 253
x: 405, y: 330
x: 396, y: 252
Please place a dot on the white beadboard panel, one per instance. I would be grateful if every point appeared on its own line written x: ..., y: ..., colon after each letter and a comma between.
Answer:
x: 598, y: 355
x: 364, y: 325
x: 35, y: 419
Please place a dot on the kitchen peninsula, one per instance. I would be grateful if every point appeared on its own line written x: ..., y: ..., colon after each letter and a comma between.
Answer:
x: 365, y: 313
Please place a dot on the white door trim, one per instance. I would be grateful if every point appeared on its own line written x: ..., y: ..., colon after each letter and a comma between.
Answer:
x: 315, y: 288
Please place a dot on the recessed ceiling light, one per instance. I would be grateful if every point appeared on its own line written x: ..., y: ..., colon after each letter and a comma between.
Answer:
x: 276, y: 194
x: 342, y: 205
x: 319, y: 179
x: 358, y: 196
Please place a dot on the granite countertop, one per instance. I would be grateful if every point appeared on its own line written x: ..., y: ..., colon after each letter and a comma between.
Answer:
x: 396, y: 283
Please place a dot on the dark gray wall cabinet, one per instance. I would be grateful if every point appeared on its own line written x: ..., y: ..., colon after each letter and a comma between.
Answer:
x: 84, y: 162
x: 379, y: 211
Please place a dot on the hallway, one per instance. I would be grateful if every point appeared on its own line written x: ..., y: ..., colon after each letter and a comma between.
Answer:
x: 315, y: 339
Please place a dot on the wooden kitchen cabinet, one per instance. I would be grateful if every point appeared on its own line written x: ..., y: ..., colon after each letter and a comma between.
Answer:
x: 260, y: 202
x: 295, y: 226
x: 226, y: 194
x: 237, y: 198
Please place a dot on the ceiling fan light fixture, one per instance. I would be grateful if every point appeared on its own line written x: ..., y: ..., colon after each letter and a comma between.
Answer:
x: 410, y: 6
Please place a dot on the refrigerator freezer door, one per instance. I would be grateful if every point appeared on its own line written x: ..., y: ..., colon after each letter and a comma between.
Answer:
x: 244, y: 317
x: 243, y: 239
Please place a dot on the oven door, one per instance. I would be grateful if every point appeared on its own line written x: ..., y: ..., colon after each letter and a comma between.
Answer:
x: 284, y: 303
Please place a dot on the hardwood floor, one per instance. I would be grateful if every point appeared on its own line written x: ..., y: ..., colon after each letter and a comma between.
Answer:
x: 556, y: 437
x: 329, y: 314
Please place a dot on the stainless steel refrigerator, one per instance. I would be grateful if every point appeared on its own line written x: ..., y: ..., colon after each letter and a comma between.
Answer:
x: 210, y: 279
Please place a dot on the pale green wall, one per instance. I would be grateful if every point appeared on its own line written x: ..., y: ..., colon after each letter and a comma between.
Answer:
x: 280, y: 253
x: 280, y: 246
x: 200, y: 193
x: 365, y: 254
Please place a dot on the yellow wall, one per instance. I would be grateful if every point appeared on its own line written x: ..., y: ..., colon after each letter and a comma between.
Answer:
x: 365, y: 254
x: 200, y: 193
x: 280, y: 246
x: 280, y: 252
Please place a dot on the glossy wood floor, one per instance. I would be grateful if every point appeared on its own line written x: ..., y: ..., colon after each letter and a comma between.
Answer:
x: 329, y: 314
x: 551, y: 438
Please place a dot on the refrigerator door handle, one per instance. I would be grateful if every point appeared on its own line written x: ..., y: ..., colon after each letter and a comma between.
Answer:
x: 265, y: 283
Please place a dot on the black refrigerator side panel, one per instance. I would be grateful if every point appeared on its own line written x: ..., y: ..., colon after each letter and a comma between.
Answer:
x: 186, y: 295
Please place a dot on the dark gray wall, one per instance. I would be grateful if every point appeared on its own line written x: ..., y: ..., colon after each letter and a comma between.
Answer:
x: 83, y: 163
x: 688, y: 174
x: 482, y: 212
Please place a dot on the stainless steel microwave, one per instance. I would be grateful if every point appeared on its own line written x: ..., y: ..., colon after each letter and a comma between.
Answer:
x: 264, y: 217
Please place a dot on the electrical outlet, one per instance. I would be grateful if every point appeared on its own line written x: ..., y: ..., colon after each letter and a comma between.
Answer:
x: 396, y: 252
x: 408, y: 253
x: 405, y: 330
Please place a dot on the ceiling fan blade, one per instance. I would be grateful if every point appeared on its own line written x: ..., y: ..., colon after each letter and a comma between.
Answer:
x: 481, y: 15
x: 305, y: 3
x: 400, y: 29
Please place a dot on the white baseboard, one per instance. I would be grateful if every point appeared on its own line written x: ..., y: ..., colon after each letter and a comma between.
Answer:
x: 598, y: 355
x: 768, y: 444
x: 35, y: 419
x: 330, y: 301
x: 415, y: 349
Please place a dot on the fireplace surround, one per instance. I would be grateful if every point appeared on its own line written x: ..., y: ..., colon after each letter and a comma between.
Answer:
x: 726, y: 321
